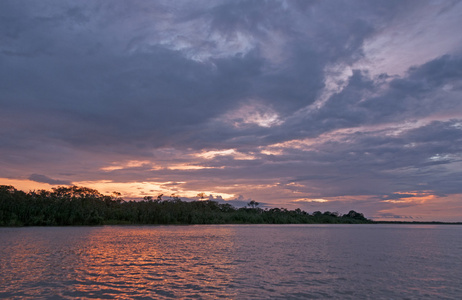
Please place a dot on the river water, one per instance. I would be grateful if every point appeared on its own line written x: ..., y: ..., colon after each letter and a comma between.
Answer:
x: 232, y: 262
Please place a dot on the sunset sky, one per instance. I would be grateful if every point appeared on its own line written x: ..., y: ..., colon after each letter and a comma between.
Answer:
x: 322, y: 105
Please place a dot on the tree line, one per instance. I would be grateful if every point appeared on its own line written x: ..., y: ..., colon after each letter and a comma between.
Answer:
x: 74, y: 205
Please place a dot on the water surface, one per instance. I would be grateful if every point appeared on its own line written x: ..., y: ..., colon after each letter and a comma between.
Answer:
x: 232, y: 261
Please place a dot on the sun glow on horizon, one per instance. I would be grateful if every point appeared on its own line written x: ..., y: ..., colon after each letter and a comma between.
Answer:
x: 26, y: 185
x: 146, y: 188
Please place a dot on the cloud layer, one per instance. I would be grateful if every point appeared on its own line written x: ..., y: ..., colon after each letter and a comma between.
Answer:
x: 285, y: 102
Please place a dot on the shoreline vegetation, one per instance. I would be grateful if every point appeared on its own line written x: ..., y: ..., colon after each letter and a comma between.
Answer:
x: 75, y: 206
x: 65, y: 206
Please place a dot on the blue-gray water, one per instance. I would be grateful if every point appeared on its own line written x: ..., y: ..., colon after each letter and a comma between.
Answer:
x: 232, y: 261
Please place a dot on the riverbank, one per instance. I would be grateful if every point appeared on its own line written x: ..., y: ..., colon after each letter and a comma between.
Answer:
x: 66, y: 206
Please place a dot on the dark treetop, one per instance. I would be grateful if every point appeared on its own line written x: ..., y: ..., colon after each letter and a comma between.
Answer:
x: 84, y: 206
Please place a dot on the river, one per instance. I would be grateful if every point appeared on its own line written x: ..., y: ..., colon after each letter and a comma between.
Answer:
x: 373, y: 261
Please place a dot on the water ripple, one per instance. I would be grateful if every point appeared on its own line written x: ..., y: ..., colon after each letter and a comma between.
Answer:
x: 231, y: 262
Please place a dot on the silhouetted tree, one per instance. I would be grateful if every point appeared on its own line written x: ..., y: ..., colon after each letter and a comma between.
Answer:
x: 84, y: 206
x: 355, y: 215
x: 253, y: 204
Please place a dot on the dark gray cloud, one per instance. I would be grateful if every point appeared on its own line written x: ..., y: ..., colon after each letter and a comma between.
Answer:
x: 86, y: 86
x: 130, y: 88
x: 433, y: 88
x: 46, y: 179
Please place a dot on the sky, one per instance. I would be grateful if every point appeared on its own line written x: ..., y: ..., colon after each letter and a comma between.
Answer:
x: 321, y: 105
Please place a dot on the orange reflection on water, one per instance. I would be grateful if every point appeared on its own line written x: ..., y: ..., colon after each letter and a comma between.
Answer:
x: 118, y: 262
x: 151, y: 263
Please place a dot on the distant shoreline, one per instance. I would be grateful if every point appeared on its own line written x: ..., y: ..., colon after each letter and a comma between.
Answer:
x: 221, y: 224
x: 418, y: 222
x: 77, y: 206
x: 123, y: 224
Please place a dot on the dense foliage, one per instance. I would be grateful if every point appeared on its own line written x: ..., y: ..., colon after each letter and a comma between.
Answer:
x: 84, y: 206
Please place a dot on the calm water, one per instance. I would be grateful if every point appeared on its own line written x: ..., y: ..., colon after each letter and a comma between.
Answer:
x: 232, y: 261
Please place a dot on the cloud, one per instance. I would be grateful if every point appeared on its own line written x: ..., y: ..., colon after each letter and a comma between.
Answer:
x: 264, y: 99
x: 139, y: 89
x: 46, y: 179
